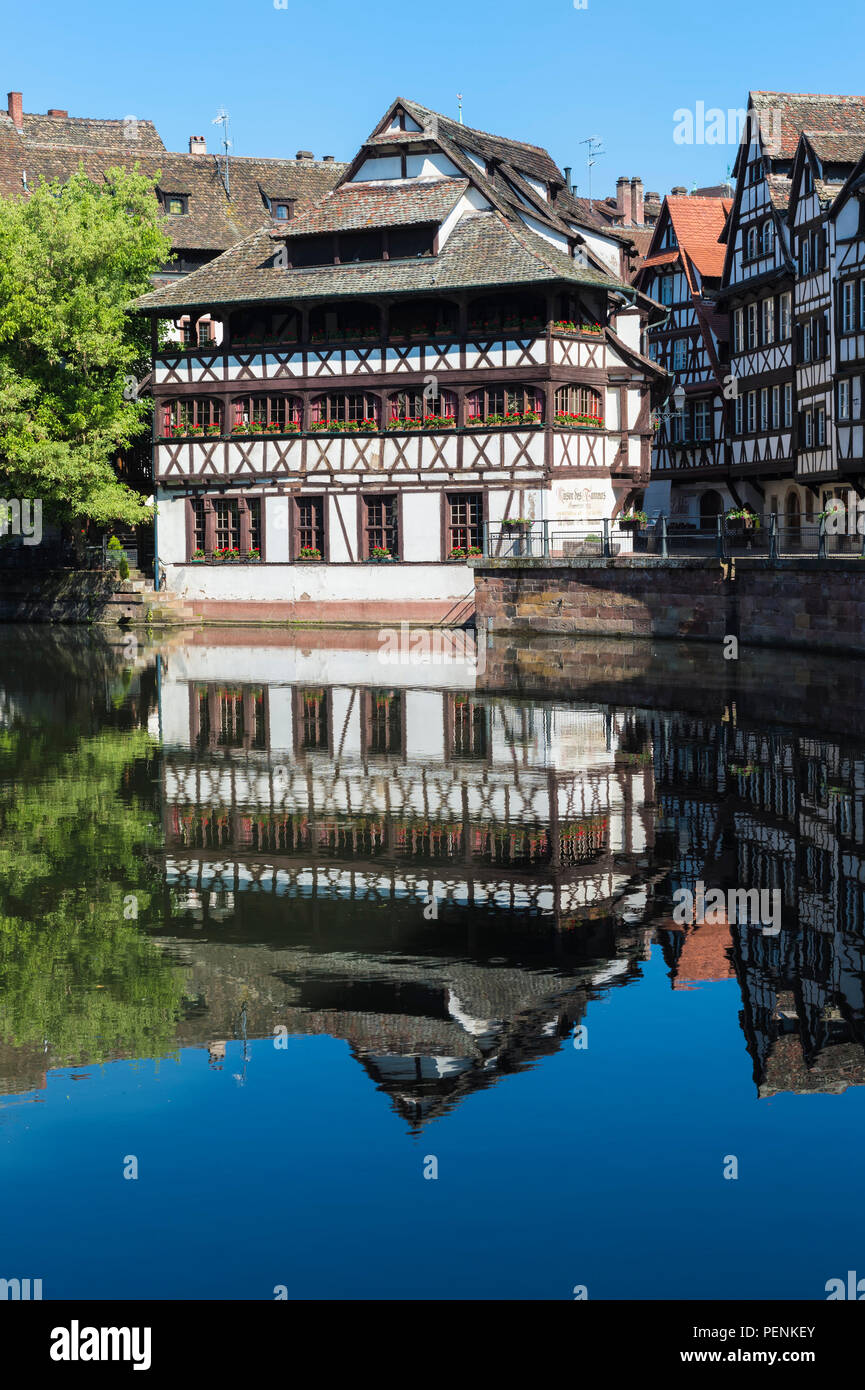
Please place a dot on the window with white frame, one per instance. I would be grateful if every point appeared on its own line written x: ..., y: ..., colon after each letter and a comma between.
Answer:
x: 768, y: 314
x: 680, y: 354
x: 848, y: 306
x: 807, y: 429
x: 768, y: 236
x: 806, y: 341
x: 737, y: 330
x: 752, y: 411
x: 666, y: 290
x: 776, y: 407
x: 844, y: 400
x: 862, y: 303
x: 820, y: 425
x: 764, y: 408
x: 702, y: 420
x: 752, y: 325
x: 737, y: 415
x: 805, y: 255
x: 784, y: 316
x: 751, y: 244
x: 788, y: 404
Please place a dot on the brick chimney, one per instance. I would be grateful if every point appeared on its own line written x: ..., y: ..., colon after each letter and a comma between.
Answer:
x: 623, y: 187
x: 304, y: 154
x: 679, y: 191
x: 15, y: 109
x: 197, y: 144
x: 55, y: 111
x: 637, y: 201
x: 328, y: 158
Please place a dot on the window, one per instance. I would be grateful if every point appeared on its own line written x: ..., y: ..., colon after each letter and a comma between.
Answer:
x: 409, y: 243
x: 848, y: 306
x: 738, y: 338
x: 205, y: 333
x: 345, y: 411
x: 788, y: 404
x: 193, y: 415
x: 383, y: 722
x: 198, y: 532
x: 751, y: 244
x: 359, y: 246
x: 267, y: 415
x: 807, y: 429
x: 768, y: 315
x: 768, y: 237
x: 784, y: 320
x: 752, y: 325
x: 312, y: 720
x: 737, y: 415
x: 423, y: 318
x: 862, y: 299
x: 666, y: 290
x: 343, y: 322
x: 751, y: 400
x: 755, y: 171
x: 843, y: 400
x: 468, y: 727
x: 805, y: 255
x: 465, y: 512
x: 584, y: 402
x: 227, y: 531
x: 226, y: 523
x: 308, y: 526
x: 820, y: 425
x: 764, y: 408
x: 176, y: 204
x: 702, y: 420
x: 680, y: 354
x: 776, y: 407
x: 380, y: 527
x: 806, y: 341
x: 414, y: 405
x: 493, y: 404
x: 282, y: 211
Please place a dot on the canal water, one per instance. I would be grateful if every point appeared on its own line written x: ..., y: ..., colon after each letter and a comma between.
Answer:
x: 334, y: 971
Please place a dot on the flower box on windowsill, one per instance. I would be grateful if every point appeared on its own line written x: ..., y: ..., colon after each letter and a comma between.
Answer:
x: 367, y: 426
x: 380, y: 556
x: 461, y: 553
x: 566, y: 421
x: 428, y: 422
x: 308, y: 555
x: 260, y: 431
x: 512, y: 420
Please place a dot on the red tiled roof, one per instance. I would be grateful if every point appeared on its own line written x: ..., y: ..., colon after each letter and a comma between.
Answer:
x: 784, y: 115
x: 698, y: 222
x: 662, y: 258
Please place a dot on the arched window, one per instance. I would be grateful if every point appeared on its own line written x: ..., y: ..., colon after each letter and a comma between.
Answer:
x: 794, y: 511
x: 423, y: 318
x: 329, y: 323
x: 193, y: 415
x: 345, y: 411
x: 413, y: 410
x: 267, y: 415
x: 506, y: 313
x: 504, y: 405
x: 579, y: 405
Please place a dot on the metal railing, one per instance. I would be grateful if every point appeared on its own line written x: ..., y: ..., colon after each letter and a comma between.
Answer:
x: 770, y: 537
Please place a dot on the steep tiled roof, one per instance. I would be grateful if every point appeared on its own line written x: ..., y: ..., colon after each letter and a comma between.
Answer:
x: 662, y: 258
x: 784, y: 115
x: 80, y: 132
x: 483, y: 250
x: 357, y: 205
x: 834, y: 148
x: 531, y: 159
x: 698, y: 222
x: 780, y: 188
x: 214, y: 222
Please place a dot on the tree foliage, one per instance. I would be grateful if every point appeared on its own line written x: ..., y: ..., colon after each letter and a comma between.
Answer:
x: 72, y: 258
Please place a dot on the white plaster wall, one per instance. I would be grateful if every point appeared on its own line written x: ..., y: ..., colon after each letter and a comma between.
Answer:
x: 607, y: 251
x: 612, y: 408
x: 281, y: 716
x: 171, y: 529
x: 342, y: 527
x: 421, y: 527
x: 627, y: 327
x: 424, y: 726
x: 431, y: 166
x: 280, y: 666
x: 471, y: 202
x: 276, y: 528
x: 384, y: 168
x: 320, y: 583
x: 557, y: 239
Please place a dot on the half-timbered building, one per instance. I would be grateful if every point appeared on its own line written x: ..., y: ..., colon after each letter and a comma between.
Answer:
x: 846, y: 226
x: 682, y: 271
x: 436, y: 347
x: 763, y: 238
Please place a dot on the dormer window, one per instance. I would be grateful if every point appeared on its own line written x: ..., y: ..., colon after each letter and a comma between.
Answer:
x: 282, y: 211
x: 176, y: 204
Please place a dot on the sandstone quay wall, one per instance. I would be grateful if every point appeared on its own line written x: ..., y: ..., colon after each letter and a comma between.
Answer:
x: 817, y: 604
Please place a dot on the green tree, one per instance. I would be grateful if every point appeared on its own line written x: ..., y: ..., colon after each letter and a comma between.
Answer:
x: 72, y: 258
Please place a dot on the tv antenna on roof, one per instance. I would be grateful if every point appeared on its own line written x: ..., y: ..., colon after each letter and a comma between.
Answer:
x: 594, y: 143
x: 221, y: 118
x: 460, y: 105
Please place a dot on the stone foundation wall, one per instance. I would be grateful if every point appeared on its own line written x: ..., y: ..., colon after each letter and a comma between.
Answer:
x: 817, y: 604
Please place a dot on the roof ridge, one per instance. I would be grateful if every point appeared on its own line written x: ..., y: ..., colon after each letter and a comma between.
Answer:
x: 475, y: 130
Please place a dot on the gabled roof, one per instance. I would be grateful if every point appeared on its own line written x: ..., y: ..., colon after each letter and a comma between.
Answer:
x: 784, y: 115
x: 485, y: 250
x: 698, y: 223
x: 81, y: 132
x: 357, y: 205
x: 831, y: 147
x: 529, y: 159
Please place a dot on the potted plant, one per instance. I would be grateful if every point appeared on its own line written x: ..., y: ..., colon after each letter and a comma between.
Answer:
x: 591, y: 328
x: 742, y: 519
x: 198, y: 557
x: 308, y: 552
x: 633, y: 520
x: 462, y: 552
x: 254, y: 555
x: 517, y: 523
x: 380, y: 555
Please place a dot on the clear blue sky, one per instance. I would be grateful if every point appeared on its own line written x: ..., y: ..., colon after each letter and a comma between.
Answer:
x: 318, y: 73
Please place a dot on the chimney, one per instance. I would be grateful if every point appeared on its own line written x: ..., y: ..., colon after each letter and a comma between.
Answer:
x: 16, y: 109
x: 637, y: 201
x: 55, y: 111
x: 622, y: 191
x: 304, y: 154
x: 678, y: 192
x: 197, y: 144
x: 568, y: 177
x: 327, y: 158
